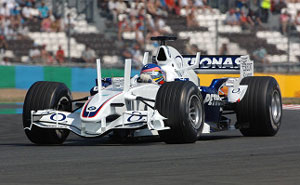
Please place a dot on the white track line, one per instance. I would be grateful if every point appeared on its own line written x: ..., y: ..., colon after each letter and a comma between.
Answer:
x: 291, y: 107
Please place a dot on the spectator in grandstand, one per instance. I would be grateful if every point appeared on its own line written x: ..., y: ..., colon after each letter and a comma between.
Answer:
x: 43, y: 11
x: 254, y: 19
x: 5, y: 10
x: 15, y: 21
x: 15, y: 11
x: 202, y: 4
x: 113, y: 10
x: 260, y: 55
x: 192, y: 49
x: 160, y: 25
x: 60, y: 55
x: 137, y: 56
x: 242, y: 19
x: 254, y: 6
x: 139, y: 36
x: 232, y: 18
x: 56, y: 25
x: 88, y: 55
x: 50, y: 59
x: 285, y: 21
x: 10, y: 32
x: 26, y: 12
x: 265, y: 9
x: 4, y: 61
x: 103, y: 6
x: 223, y: 50
x: 183, y: 3
x: 297, y: 19
x: 177, y: 8
x: 35, y: 54
x: 151, y: 9
x: 190, y: 14
x: 150, y: 22
x: 46, y: 25
x: 161, y: 10
x: 134, y: 53
x: 133, y: 23
x: 242, y: 6
x: 3, y: 45
x: 51, y: 16
x: 69, y: 24
x: 153, y: 33
x: 171, y: 5
x: 44, y: 55
x: 123, y: 26
x: 279, y: 6
x: 120, y: 7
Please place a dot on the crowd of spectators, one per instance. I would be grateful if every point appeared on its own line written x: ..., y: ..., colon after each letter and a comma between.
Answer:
x: 254, y: 14
x: 130, y: 17
x: 14, y: 18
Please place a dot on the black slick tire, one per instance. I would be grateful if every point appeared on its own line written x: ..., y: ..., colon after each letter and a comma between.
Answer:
x: 259, y: 112
x: 46, y: 95
x: 182, y: 104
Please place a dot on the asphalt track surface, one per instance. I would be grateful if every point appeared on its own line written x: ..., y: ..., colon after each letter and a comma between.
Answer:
x: 221, y: 158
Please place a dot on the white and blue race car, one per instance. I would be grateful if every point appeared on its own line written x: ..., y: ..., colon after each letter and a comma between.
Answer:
x: 167, y: 99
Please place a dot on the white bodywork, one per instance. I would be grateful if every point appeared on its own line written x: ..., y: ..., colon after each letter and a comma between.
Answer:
x: 122, y: 99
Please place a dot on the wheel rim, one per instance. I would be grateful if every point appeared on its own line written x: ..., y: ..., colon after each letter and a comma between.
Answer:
x: 195, y: 110
x: 276, y: 107
x: 60, y: 105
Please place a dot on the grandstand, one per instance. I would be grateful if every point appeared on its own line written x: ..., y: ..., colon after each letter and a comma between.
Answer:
x: 114, y: 30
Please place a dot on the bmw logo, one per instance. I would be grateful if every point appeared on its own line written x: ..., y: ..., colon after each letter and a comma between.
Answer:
x: 92, y: 108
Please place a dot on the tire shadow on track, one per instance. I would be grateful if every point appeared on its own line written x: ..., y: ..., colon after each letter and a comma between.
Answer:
x: 147, y: 141
x: 217, y: 137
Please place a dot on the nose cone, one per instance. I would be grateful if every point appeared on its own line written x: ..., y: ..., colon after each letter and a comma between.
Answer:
x: 98, y: 106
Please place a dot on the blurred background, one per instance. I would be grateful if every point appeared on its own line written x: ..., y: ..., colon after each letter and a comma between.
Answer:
x: 71, y: 34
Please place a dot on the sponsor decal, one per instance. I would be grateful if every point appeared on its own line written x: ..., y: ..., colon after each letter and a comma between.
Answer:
x: 92, y: 108
x: 182, y: 79
x: 135, y: 117
x: 213, y: 100
x: 215, y: 62
x: 236, y: 90
x: 246, y: 66
x: 58, y: 117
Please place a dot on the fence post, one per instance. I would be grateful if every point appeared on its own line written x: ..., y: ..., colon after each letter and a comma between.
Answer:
x: 217, y: 36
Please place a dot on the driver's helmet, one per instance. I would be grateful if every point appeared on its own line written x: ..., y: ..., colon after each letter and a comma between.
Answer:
x: 152, y: 72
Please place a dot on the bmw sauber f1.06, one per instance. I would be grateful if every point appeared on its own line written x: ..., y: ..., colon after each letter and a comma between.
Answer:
x: 166, y: 99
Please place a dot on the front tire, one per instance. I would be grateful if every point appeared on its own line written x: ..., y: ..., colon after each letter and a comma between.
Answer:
x: 260, y: 111
x: 182, y: 104
x: 46, y: 95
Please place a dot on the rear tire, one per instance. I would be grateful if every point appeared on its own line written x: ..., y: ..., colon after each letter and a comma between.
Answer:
x: 259, y: 113
x: 182, y: 104
x: 46, y: 95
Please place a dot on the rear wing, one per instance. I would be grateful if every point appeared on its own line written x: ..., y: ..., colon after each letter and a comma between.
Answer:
x: 220, y: 64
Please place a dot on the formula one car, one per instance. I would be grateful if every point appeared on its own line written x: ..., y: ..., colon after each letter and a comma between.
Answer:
x: 166, y: 99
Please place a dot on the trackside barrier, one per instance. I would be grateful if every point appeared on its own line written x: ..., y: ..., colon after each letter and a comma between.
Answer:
x: 82, y: 79
x: 76, y: 78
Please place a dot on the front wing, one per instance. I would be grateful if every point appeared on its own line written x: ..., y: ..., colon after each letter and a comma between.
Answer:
x: 53, y: 119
